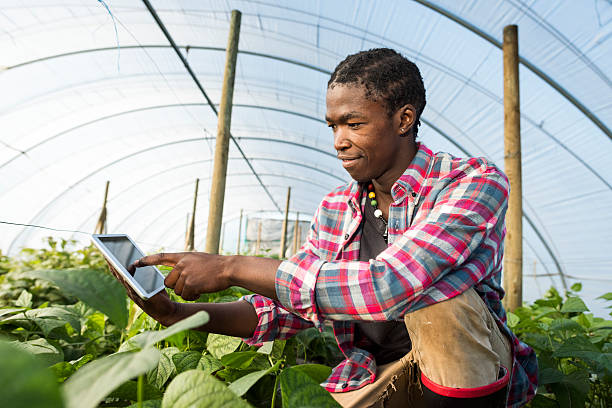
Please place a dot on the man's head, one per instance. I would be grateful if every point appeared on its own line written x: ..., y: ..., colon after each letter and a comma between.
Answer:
x: 387, y: 77
x: 374, y: 100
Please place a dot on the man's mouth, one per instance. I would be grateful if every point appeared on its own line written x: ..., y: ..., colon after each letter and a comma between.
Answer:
x: 348, y: 161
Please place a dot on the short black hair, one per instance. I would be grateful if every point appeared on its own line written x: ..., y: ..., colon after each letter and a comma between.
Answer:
x: 385, y: 74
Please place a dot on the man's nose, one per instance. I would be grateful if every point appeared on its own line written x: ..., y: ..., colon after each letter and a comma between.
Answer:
x: 341, y: 141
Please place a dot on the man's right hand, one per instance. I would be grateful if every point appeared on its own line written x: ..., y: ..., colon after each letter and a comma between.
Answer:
x: 159, y: 307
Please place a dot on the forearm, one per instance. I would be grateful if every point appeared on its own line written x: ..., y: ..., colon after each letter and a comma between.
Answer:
x: 255, y: 274
x: 232, y: 318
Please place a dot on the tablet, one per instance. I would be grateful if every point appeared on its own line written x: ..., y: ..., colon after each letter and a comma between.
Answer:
x: 120, y: 251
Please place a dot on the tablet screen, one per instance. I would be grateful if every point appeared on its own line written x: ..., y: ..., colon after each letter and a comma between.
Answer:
x: 126, y: 253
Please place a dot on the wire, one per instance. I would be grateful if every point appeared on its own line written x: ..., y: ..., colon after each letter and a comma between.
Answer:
x: 79, y: 232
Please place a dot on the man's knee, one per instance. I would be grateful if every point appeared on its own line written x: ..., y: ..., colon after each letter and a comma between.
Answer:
x: 457, y: 342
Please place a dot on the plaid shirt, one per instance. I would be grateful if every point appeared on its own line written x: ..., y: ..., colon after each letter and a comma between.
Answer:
x: 446, y: 231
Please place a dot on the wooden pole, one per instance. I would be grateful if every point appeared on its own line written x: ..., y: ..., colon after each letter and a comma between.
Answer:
x: 281, y: 253
x: 258, y: 243
x: 217, y: 189
x: 190, y: 235
x: 296, y: 230
x: 513, y: 254
x: 239, y: 234
x: 101, y: 224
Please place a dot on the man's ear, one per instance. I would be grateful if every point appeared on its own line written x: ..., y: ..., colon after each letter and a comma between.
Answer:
x: 407, y: 118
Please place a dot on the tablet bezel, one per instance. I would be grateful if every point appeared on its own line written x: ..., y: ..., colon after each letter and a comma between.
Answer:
x: 108, y: 255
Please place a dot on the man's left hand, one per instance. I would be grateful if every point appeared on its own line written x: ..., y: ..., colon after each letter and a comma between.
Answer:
x: 193, y: 273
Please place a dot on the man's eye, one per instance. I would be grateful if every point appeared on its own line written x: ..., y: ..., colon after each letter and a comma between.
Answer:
x: 354, y: 125
x: 332, y: 126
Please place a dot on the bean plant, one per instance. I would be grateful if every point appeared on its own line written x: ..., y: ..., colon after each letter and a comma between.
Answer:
x: 69, y: 337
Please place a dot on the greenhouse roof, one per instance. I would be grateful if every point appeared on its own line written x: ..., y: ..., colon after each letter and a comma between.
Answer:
x: 91, y: 94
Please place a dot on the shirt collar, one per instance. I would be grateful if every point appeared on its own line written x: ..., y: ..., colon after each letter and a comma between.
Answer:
x: 413, y: 178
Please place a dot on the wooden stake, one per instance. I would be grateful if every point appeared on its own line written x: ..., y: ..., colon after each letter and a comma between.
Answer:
x: 513, y: 254
x: 101, y: 224
x: 258, y: 243
x: 190, y: 235
x: 239, y: 234
x: 296, y: 230
x: 281, y: 253
x: 217, y: 189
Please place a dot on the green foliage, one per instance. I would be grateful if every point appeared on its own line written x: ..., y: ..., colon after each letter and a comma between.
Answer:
x: 68, y: 325
x: 26, y: 382
x: 574, y: 350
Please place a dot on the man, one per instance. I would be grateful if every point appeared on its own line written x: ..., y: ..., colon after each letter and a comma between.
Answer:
x: 404, y: 262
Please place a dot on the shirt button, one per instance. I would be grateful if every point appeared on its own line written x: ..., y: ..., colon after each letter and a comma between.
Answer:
x: 414, y: 194
x: 346, y: 236
x: 344, y: 385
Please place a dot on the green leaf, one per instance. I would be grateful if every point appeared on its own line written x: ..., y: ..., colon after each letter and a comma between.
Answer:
x: 299, y: 391
x: 574, y: 304
x: 576, y: 287
x: 317, y: 372
x: 566, y: 325
x: 4, y: 312
x: 266, y: 348
x: 46, y: 352
x: 541, y: 401
x: 195, y: 388
x: 572, y: 390
x: 243, y: 384
x: 24, y: 300
x: 154, y: 403
x: 149, y: 338
x: 129, y: 392
x: 62, y: 370
x: 219, y: 345
x: 186, y: 360
x: 606, y: 296
x: 25, y: 381
x: 88, y: 386
x: 513, y: 320
x: 550, y: 376
x: 240, y: 359
x: 165, y: 367
x: 209, y: 364
x: 93, y: 287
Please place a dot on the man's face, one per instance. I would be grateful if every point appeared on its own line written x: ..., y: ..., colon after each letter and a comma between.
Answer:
x: 366, y: 138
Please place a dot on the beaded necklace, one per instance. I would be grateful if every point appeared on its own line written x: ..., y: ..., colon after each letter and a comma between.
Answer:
x: 377, y: 211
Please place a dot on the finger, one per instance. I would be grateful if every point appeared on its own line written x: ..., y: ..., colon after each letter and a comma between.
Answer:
x: 173, y: 277
x: 168, y: 259
x: 188, y: 293
x: 180, y: 285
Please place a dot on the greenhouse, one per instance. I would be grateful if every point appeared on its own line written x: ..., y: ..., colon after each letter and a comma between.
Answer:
x: 110, y: 114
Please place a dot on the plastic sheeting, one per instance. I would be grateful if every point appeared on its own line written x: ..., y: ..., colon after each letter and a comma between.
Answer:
x: 77, y: 110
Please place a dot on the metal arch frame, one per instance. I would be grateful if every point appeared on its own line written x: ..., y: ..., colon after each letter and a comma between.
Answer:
x: 184, y: 185
x: 453, y: 17
x: 529, y: 65
x: 315, y: 68
x: 146, y: 108
x: 44, y: 208
x: 444, y: 135
x: 458, y: 146
x: 183, y: 165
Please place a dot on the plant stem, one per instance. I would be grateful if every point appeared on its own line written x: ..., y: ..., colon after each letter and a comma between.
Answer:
x: 274, y: 391
x: 140, y: 390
